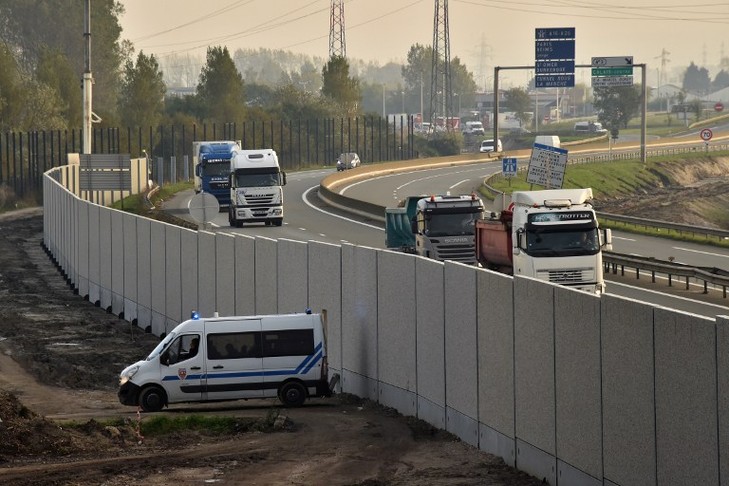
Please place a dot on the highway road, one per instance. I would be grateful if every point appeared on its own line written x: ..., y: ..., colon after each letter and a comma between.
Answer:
x: 308, y: 218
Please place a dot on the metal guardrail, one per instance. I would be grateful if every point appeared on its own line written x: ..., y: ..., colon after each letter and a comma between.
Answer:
x: 654, y: 223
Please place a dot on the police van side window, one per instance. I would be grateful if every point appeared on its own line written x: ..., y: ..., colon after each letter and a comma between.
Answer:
x: 293, y: 342
x: 181, y: 349
x: 234, y: 345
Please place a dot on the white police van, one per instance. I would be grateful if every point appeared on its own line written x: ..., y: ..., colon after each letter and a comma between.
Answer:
x: 246, y: 357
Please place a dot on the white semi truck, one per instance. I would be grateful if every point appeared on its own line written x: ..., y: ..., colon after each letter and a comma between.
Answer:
x: 256, y: 188
x: 551, y: 235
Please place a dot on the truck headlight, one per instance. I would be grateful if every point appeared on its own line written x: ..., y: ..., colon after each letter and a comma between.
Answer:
x: 128, y: 374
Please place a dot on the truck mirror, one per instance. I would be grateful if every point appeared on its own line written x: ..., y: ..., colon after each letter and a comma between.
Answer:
x: 519, y: 243
x: 414, y: 225
x: 607, y: 237
x: 283, y: 178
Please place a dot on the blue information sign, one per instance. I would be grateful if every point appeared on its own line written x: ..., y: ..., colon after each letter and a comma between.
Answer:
x: 555, y: 33
x: 554, y: 49
x: 508, y: 166
x: 555, y: 67
x: 554, y: 81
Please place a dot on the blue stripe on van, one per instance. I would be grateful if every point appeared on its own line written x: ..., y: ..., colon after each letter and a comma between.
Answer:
x: 303, y: 368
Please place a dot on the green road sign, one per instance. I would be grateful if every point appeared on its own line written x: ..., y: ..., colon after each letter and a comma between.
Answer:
x: 613, y: 71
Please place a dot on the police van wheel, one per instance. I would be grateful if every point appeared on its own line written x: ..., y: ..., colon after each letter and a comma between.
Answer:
x: 292, y: 394
x: 152, y: 399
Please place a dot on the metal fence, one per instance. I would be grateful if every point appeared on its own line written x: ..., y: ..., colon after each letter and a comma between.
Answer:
x: 300, y: 144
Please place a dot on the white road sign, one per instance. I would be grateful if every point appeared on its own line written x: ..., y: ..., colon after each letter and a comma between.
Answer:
x: 616, y: 61
x: 547, y: 165
x: 608, y: 81
x: 203, y: 207
x: 706, y: 134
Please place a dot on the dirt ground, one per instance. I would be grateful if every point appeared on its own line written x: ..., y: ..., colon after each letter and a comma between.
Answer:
x: 59, y: 361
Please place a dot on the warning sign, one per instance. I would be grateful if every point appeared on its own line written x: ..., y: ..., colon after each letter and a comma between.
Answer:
x: 547, y: 166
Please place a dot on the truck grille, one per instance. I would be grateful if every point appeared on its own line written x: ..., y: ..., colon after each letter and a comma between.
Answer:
x: 570, y: 276
x: 464, y: 253
x: 257, y: 199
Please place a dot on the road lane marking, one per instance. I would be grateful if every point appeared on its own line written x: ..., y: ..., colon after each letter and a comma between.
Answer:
x: 701, y: 252
x: 306, y: 193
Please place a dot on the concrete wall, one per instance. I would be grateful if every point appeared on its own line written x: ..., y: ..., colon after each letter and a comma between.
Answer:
x: 567, y: 386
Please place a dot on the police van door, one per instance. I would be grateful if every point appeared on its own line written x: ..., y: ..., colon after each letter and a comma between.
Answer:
x: 182, y: 369
x: 233, y: 366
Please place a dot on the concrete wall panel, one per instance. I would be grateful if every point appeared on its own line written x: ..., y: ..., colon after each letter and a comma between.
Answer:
x: 188, y: 273
x: 131, y: 260
x: 396, y: 336
x: 158, y: 266
x: 173, y: 280
x: 461, y: 340
x: 577, y: 380
x: 206, y: 273
x: 325, y: 295
x: 105, y: 255
x: 534, y: 363
x: 495, y: 293
x: 430, y: 331
x: 293, y: 269
x: 83, y: 248
x: 722, y: 353
x: 359, y: 323
x: 266, y: 276
x: 627, y: 392
x: 118, y: 258
x: 225, y: 274
x: 144, y: 273
x: 245, y: 275
x: 686, y: 400
x: 496, y: 351
x: 94, y: 265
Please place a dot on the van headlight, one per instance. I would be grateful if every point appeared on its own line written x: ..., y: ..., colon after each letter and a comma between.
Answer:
x: 128, y: 374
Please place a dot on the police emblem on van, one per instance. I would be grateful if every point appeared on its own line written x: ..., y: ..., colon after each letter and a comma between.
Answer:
x: 182, y: 373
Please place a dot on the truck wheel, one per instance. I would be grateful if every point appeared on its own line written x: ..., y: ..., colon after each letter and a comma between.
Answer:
x: 278, y: 222
x: 152, y: 399
x: 292, y: 394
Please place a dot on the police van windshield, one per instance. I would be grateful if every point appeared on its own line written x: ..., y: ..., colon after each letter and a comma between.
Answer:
x: 161, y: 346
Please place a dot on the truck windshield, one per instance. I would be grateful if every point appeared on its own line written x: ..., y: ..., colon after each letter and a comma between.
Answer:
x: 216, y: 168
x: 452, y: 224
x: 552, y: 241
x: 256, y: 178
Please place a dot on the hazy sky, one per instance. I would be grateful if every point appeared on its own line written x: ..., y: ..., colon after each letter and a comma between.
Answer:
x: 483, y: 33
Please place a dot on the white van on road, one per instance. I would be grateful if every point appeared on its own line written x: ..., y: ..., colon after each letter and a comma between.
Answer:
x: 246, y: 357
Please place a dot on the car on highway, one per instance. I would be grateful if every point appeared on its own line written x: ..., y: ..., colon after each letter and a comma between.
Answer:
x: 487, y: 146
x: 348, y: 160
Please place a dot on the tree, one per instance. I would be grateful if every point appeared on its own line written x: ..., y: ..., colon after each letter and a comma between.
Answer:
x: 519, y: 102
x: 30, y: 27
x: 339, y: 87
x: 462, y: 82
x: 416, y: 73
x: 55, y: 71
x: 26, y: 104
x: 221, y: 89
x: 616, y: 106
x: 696, y: 80
x: 721, y: 80
x: 141, y: 101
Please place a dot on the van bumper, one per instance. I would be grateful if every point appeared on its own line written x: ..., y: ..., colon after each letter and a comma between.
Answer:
x: 129, y: 394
